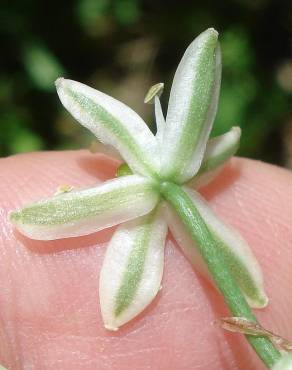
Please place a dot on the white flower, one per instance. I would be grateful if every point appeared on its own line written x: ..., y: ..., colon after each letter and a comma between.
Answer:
x: 179, y: 153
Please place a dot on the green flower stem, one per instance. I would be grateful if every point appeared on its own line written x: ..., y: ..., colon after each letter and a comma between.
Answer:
x: 206, y: 244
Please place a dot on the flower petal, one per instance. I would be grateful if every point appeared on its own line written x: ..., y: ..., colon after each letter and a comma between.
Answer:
x: 113, y: 123
x: 219, y: 150
x: 238, y: 256
x: 132, y: 270
x: 192, y: 107
x: 86, y: 211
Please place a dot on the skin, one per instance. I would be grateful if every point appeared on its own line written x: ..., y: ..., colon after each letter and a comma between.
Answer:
x: 49, y: 309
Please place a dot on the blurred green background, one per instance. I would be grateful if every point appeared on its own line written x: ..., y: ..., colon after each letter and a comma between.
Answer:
x: 123, y: 46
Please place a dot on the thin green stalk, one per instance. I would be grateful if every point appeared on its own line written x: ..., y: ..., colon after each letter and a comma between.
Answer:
x: 200, y: 233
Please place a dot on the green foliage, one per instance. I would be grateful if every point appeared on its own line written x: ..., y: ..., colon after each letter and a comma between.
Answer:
x: 124, y: 46
x: 243, y: 100
x: 41, y: 66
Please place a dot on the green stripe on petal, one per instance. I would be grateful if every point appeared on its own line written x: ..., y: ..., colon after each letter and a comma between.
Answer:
x: 112, y: 122
x: 86, y: 211
x: 237, y: 254
x: 218, y: 151
x: 192, y: 108
x: 132, y: 270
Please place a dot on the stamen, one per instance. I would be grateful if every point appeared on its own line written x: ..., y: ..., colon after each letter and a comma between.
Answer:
x: 153, y: 96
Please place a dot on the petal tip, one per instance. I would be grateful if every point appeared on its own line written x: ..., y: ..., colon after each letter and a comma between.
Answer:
x: 59, y: 82
x: 261, y: 302
x: 236, y: 130
x: 111, y: 327
x: 16, y: 219
x: 212, y: 31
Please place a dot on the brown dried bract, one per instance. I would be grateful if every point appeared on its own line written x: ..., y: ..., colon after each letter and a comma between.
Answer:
x: 247, y: 327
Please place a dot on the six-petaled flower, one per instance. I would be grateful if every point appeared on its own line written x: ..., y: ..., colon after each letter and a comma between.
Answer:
x: 180, y: 153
